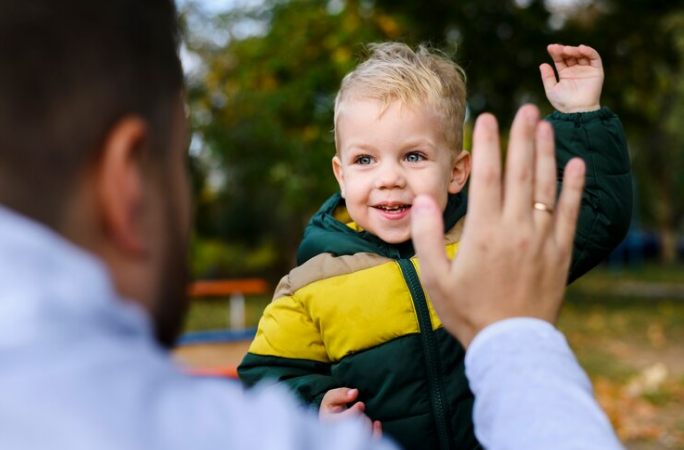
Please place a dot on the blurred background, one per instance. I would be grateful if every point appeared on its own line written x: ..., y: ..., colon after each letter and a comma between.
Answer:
x: 262, y: 77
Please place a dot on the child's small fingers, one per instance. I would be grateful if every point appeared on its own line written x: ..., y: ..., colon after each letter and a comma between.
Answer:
x: 548, y: 76
x: 570, y: 51
x: 339, y: 397
x: 556, y: 53
x: 592, y: 55
x: 554, y: 50
x: 358, y: 407
x: 377, y: 429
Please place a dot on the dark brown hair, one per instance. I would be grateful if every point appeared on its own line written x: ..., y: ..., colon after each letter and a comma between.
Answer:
x: 69, y: 69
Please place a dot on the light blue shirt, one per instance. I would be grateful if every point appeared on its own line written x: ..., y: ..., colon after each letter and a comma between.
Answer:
x: 531, y: 393
x: 79, y: 368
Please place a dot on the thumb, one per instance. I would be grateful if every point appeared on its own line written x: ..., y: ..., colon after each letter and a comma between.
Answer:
x: 548, y: 77
x: 427, y: 231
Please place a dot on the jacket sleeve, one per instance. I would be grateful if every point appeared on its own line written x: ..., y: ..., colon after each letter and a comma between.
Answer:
x: 288, y: 350
x: 599, y: 139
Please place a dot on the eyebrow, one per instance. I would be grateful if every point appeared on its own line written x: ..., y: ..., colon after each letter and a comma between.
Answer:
x: 409, y: 144
x: 419, y: 143
x: 364, y: 147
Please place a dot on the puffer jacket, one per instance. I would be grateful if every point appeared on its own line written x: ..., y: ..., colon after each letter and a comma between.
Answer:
x: 354, y: 313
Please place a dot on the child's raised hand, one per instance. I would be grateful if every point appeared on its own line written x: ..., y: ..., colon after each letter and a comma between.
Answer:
x: 334, y: 406
x: 580, y: 74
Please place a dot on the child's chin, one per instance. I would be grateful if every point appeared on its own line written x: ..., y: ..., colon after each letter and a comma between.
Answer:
x: 395, y: 238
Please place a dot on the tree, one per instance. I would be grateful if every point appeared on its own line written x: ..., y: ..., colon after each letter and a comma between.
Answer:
x: 264, y: 110
x: 500, y: 43
x: 263, y: 105
x: 642, y: 46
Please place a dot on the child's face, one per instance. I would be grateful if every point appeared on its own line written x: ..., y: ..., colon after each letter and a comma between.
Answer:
x: 384, y: 162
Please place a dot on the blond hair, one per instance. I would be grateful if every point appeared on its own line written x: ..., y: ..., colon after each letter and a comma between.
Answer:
x: 424, y: 77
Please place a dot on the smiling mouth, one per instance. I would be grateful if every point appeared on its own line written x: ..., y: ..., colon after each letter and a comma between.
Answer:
x: 393, y: 208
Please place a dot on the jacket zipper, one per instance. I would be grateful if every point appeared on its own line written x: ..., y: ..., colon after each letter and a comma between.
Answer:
x: 430, y: 351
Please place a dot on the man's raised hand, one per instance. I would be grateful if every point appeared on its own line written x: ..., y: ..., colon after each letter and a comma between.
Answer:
x: 516, y: 247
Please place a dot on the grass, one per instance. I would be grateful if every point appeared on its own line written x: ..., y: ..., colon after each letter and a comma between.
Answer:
x: 632, y: 346
x: 212, y: 313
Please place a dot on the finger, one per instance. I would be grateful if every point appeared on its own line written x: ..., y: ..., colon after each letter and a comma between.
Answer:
x: 519, y: 177
x: 570, y: 51
x: 548, y: 77
x: 565, y: 56
x: 556, y: 53
x: 355, y: 410
x: 377, y: 429
x: 591, y: 55
x: 427, y: 232
x: 569, y: 204
x: 572, y: 55
x: 485, y: 178
x: 545, y: 175
x: 337, y: 399
x: 357, y: 413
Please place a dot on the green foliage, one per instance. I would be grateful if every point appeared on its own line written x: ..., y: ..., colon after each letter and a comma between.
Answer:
x: 262, y: 102
x: 500, y: 43
x: 264, y: 109
x: 213, y: 258
x: 642, y: 46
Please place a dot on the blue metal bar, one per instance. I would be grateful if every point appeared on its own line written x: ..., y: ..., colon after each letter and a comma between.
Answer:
x: 216, y: 336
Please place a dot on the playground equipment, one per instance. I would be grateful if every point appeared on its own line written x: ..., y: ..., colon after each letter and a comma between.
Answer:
x: 224, y: 344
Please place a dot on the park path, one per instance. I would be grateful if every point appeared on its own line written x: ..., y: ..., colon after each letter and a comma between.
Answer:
x: 209, y: 356
x: 644, y: 289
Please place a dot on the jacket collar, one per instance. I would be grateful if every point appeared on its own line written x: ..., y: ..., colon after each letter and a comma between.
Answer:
x: 326, y: 234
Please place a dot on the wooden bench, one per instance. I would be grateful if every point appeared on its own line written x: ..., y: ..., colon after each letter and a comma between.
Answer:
x: 235, y: 290
x: 235, y: 337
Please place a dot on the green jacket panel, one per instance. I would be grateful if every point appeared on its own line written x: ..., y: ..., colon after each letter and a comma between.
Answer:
x: 599, y: 139
x: 309, y: 380
x: 392, y: 376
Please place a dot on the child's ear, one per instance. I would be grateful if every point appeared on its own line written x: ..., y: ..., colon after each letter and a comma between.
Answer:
x: 459, y: 172
x: 339, y: 172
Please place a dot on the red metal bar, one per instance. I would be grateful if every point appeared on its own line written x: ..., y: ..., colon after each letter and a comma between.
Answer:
x: 224, y: 288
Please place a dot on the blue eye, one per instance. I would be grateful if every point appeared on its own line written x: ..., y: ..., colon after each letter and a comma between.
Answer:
x: 364, y: 160
x: 414, y: 157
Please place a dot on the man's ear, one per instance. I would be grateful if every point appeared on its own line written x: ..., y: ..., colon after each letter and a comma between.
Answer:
x: 339, y: 172
x: 120, y: 186
x: 459, y: 172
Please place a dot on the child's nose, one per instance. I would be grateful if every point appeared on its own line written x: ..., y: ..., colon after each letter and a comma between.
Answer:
x: 390, y: 177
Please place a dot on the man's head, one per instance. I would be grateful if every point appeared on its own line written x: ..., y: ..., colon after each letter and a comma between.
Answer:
x: 399, y: 133
x: 92, y: 137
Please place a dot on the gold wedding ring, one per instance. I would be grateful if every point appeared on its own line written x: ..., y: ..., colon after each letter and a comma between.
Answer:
x: 539, y: 206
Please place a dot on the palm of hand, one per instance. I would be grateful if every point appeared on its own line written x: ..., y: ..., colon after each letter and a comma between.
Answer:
x: 578, y: 88
x: 580, y: 78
